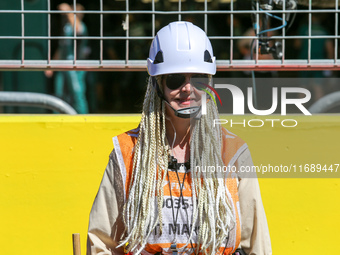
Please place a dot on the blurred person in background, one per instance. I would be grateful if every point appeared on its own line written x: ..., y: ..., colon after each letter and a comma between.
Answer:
x: 71, y: 85
x: 320, y: 48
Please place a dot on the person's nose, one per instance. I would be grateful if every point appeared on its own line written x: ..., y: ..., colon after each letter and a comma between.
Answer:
x: 187, y: 86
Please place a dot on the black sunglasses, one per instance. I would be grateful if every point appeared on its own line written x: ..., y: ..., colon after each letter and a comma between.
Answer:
x: 174, y: 81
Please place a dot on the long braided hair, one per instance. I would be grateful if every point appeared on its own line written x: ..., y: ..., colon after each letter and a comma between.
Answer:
x: 143, y: 209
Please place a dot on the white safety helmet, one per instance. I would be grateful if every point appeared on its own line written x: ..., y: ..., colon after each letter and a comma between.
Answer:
x: 181, y: 47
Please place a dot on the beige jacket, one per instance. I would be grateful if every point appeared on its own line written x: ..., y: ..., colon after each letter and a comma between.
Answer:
x: 106, y: 226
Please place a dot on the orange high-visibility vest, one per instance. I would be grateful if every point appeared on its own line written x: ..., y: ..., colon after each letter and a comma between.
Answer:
x: 233, y: 146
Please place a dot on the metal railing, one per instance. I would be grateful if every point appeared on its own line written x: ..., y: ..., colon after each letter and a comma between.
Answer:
x: 35, y: 100
x: 230, y: 39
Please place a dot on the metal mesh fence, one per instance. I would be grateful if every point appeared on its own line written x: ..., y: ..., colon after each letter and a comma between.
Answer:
x: 285, y: 34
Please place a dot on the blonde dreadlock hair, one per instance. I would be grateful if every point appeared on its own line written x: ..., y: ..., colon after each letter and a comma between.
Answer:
x: 143, y: 208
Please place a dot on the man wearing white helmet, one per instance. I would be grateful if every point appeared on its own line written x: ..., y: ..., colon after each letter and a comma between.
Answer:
x: 153, y: 198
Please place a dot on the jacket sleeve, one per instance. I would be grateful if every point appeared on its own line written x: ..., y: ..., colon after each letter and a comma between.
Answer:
x: 106, y: 223
x: 255, y: 239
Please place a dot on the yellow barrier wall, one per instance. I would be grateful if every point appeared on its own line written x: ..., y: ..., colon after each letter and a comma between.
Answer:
x: 51, y: 168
